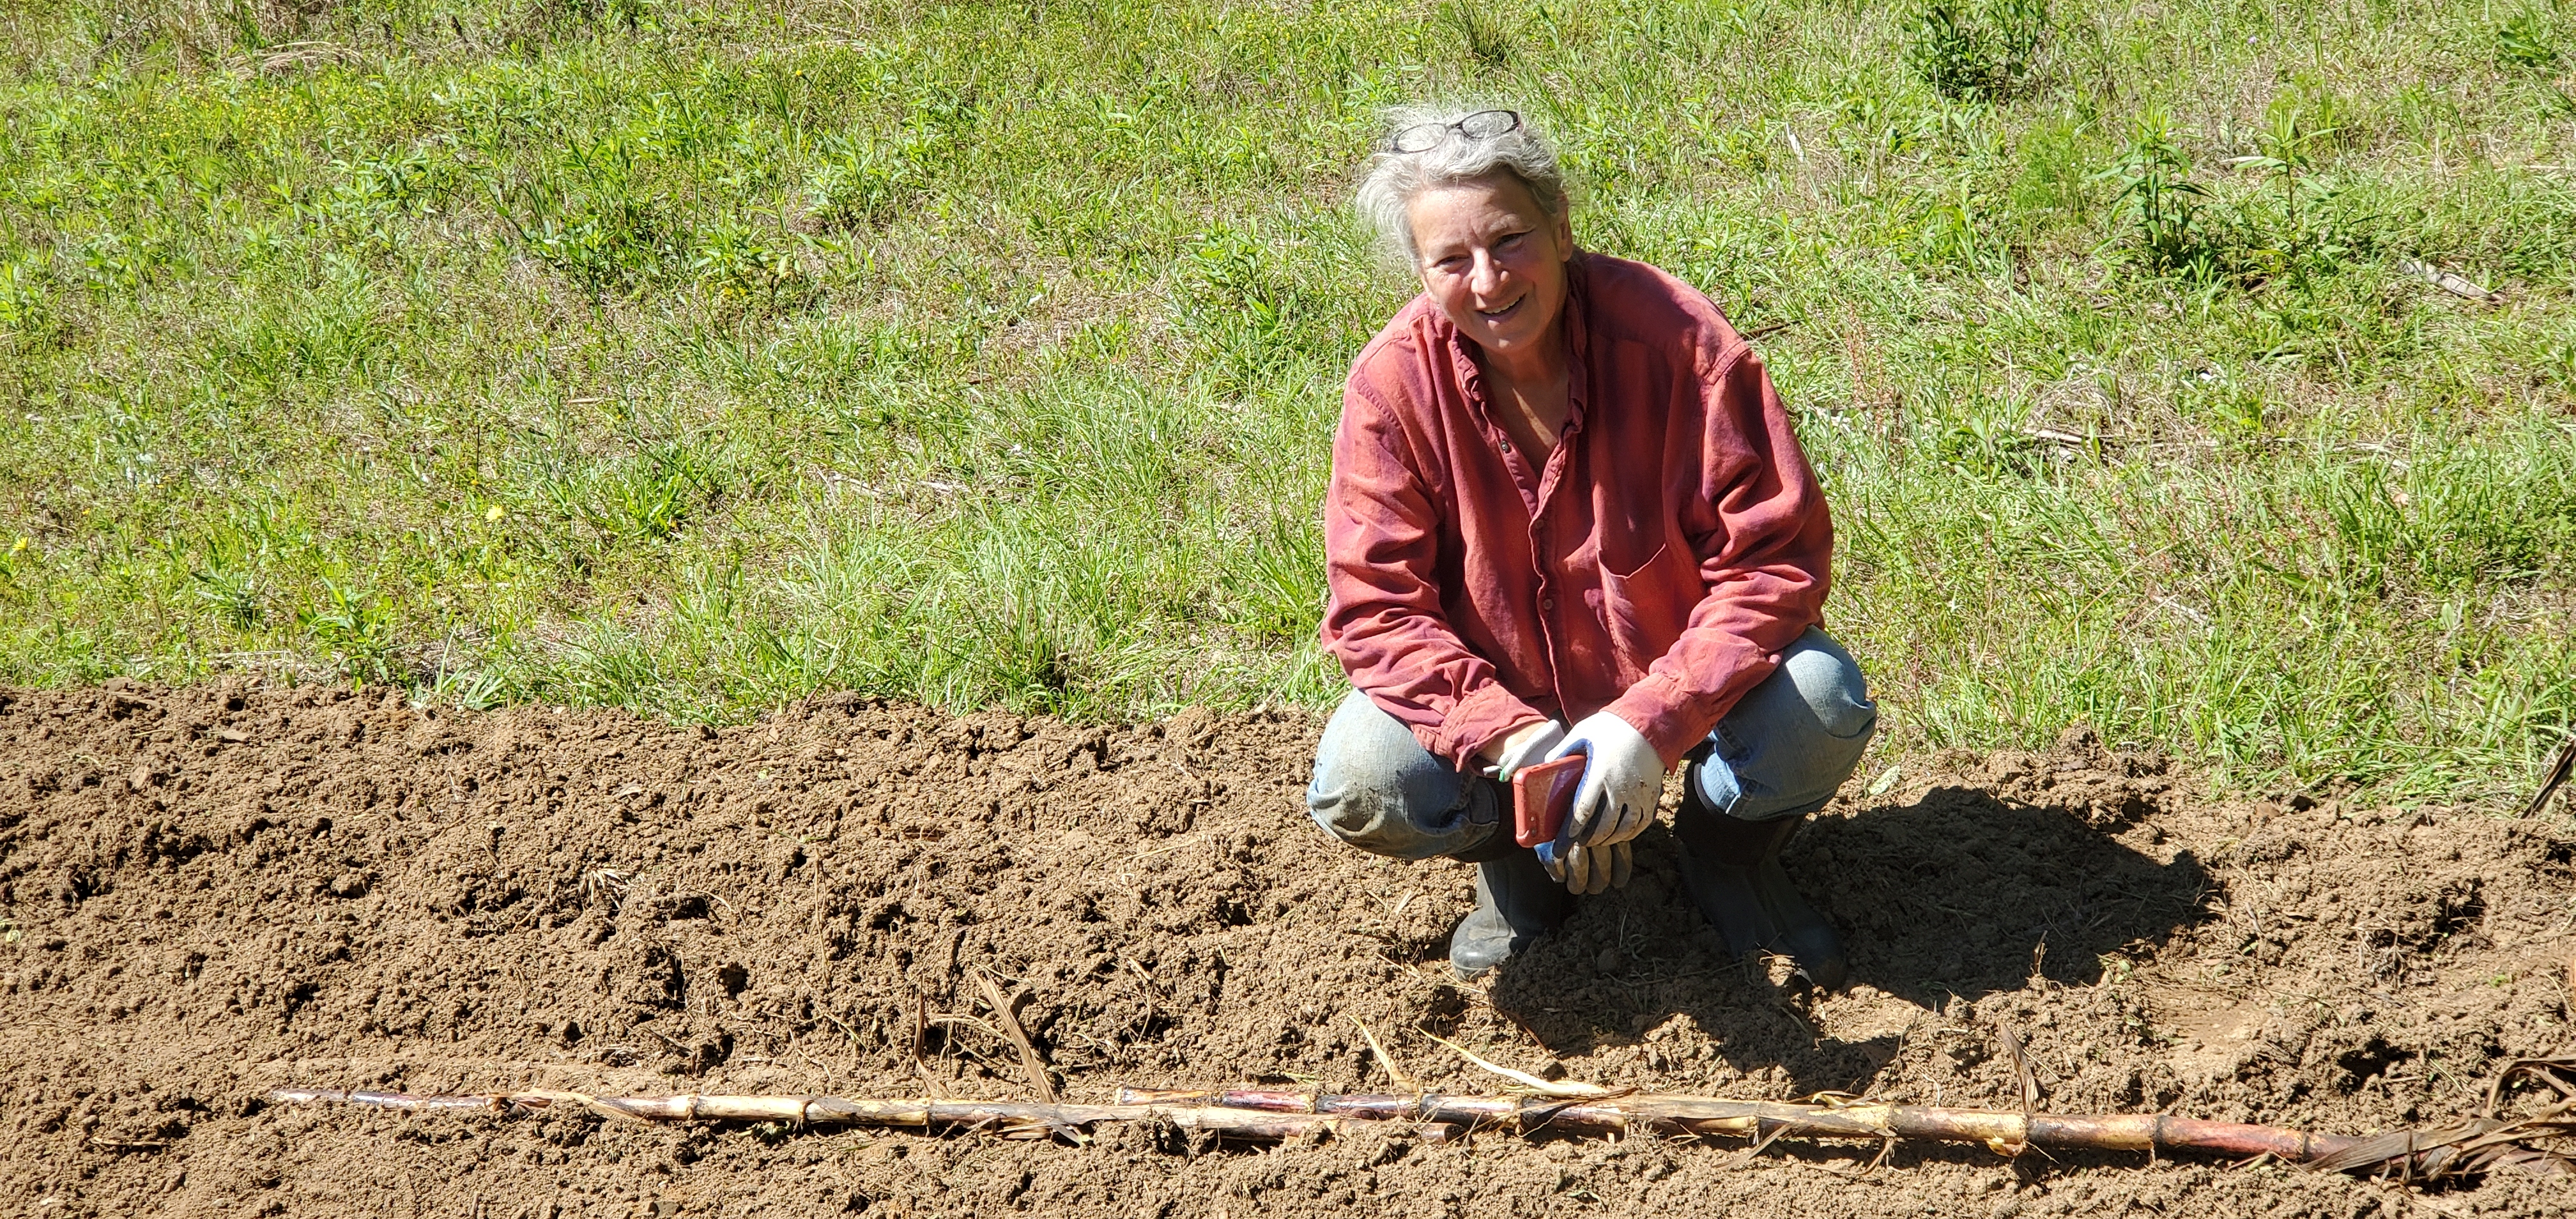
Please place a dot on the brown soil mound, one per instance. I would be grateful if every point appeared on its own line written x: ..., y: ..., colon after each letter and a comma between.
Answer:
x: 214, y: 891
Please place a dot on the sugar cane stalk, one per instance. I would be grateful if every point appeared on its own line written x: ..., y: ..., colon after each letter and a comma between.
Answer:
x: 924, y: 1113
x: 2462, y: 1149
x: 2006, y: 1132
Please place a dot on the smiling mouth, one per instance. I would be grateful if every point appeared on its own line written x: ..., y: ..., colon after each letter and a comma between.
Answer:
x: 1496, y: 315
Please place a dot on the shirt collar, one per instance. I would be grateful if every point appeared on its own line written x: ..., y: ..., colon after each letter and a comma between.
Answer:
x: 1578, y: 348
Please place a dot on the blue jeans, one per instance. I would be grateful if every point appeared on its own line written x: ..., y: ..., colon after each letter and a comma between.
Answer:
x: 1781, y: 752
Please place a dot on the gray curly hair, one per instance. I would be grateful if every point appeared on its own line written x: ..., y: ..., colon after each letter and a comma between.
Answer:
x: 1394, y: 178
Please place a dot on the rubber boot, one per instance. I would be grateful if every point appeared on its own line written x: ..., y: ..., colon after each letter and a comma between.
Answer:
x: 1732, y: 869
x: 1516, y: 903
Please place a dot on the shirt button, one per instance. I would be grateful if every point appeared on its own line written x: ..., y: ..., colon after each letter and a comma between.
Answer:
x: 1507, y: 446
x: 1547, y: 603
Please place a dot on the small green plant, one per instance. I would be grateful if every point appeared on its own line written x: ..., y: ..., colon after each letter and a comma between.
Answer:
x: 607, y: 246
x: 26, y: 312
x: 858, y: 184
x: 2159, y: 200
x: 2286, y: 149
x: 2528, y: 39
x: 232, y: 592
x: 596, y: 223
x: 410, y: 182
x: 572, y: 14
x: 646, y: 498
x: 2558, y: 364
x: 1976, y: 50
x: 1279, y: 585
x: 742, y: 262
x: 358, y: 629
x: 122, y: 261
x: 2306, y: 229
x: 1981, y: 447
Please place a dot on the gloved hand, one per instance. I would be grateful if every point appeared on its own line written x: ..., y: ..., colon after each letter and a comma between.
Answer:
x: 1586, y: 869
x: 1623, y: 779
x: 1523, y: 746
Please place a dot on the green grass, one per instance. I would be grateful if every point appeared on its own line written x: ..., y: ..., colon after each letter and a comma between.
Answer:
x: 687, y: 357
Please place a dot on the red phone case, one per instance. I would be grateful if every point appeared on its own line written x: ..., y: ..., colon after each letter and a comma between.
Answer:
x: 1543, y: 797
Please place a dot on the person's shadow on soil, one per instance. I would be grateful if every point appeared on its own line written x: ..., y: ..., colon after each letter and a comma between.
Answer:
x: 1958, y: 894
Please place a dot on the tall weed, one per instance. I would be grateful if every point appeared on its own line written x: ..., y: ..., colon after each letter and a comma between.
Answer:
x: 2161, y: 204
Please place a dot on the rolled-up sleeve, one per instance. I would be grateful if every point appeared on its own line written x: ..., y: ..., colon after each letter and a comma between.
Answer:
x: 1385, y: 622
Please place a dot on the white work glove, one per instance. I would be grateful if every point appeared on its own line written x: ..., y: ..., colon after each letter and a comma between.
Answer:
x: 1586, y: 869
x: 1526, y: 745
x: 1623, y: 781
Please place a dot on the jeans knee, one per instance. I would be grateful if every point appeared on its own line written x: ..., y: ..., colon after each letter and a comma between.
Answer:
x: 1829, y: 681
x: 1363, y: 760
x: 1789, y: 745
x: 1378, y: 789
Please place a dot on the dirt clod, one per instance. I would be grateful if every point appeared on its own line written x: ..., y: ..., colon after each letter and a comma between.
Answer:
x: 214, y: 891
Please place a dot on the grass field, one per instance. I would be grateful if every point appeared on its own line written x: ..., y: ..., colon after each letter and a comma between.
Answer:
x: 690, y: 357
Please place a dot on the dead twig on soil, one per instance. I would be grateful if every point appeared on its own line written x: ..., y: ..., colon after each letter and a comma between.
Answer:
x: 2028, y: 1079
x: 2558, y: 772
x: 2448, y: 282
x: 107, y: 1144
x: 1754, y: 1152
x: 920, y: 1035
x: 2545, y: 1070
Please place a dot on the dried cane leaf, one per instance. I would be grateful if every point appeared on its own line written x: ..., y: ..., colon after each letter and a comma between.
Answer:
x: 2028, y: 1079
x: 1749, y: 1154
x: 1386, y: 1060
x: 1029, y: 1060
x: 1543, y: 1087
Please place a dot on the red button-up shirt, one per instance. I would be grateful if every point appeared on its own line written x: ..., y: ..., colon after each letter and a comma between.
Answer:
x: 1673, y: 543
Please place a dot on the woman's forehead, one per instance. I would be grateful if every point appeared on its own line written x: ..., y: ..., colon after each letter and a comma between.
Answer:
x: 1473, y: 204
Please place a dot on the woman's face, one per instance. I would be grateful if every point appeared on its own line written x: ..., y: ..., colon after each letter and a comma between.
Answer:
x: 1492, y: 261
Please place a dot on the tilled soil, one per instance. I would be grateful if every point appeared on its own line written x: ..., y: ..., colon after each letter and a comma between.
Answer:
x: 214, y: 891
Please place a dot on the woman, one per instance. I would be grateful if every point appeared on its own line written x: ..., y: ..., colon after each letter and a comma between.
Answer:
x: 1568, y: 515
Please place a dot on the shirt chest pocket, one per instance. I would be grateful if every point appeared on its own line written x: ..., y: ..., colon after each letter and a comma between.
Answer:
x: 1649, y: 583
x: 1647, y: 608
x: 1632, y: 541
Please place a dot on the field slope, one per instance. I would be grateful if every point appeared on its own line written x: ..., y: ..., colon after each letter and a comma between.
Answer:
x: 693, y: 357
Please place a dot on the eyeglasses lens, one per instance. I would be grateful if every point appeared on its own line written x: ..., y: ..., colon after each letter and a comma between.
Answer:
x: 1482, y: 125
x: 1421, y: 137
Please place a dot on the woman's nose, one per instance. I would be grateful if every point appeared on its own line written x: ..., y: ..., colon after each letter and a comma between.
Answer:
x: 1486, y: 276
